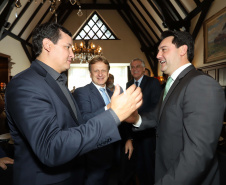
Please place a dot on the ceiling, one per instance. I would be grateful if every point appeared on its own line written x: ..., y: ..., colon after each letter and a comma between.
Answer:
x: 147, y: 19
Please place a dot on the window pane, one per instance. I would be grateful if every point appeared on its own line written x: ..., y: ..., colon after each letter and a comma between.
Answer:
x: 103, y: 28
x: 82, y: 34
x: 99, y: 23
x: 112, y: 37
x: 95, y: 18
x: 108, y: 34
x: 91, y: 34
x: 99, y: 34
x: 91, y: 23
x: 87, y: 28
x: 95, y: 28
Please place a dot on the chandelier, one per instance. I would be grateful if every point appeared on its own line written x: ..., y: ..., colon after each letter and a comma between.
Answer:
x: 86, y: 51
x: 52, y: 6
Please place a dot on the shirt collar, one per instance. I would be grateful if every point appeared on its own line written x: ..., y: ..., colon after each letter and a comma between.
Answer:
x: 50, y: 70
x: 178, y: 71
x: 98, y: 86
x: 139, y: 79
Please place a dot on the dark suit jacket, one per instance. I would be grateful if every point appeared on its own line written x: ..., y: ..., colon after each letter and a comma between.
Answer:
x: 189, y: 123
x: 151, y: 91
x: 46, y: 133
x: 90, y: 101
x: 91, y: 104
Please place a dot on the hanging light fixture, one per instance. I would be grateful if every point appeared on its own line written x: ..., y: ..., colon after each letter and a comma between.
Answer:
x: 52, y: 6
x: 86, y: 51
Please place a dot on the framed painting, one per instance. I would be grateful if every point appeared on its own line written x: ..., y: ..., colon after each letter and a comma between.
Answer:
x: 215, y: 37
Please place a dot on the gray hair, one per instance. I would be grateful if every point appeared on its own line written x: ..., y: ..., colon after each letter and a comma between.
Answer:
x: 137, y: 59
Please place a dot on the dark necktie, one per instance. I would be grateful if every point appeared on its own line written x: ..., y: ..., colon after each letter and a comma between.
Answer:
x: 136, y: 82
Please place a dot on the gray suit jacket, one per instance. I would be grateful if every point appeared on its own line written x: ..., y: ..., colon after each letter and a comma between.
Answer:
x: 188, y: 124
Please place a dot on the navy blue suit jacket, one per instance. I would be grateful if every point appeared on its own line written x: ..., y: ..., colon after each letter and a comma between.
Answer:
x: 91, y: 104
x: 46, y: 133
x: 90, y: 101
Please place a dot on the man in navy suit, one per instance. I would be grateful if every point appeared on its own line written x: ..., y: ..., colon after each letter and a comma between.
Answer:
x: 91, y: 102
x: 45, y: 122
x: 144, y: 141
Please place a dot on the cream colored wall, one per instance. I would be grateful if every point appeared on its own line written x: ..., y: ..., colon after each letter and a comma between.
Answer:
x: 198, y: 61
x: 13, y: 48
x: 116, y: 51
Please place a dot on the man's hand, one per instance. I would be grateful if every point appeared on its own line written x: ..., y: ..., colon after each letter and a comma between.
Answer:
x: 133, y: 118
x: 126, y: 103
x: 4, y: 161
x: 129, y: 148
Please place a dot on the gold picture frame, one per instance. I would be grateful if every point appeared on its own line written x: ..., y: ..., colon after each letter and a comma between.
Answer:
x: 215, y: 37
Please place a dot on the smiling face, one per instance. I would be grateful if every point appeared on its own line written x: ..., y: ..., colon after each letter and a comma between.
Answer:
x: 137, y: 69
x: 169, y: 56
x: 61, y: 53
x: 99, y: 73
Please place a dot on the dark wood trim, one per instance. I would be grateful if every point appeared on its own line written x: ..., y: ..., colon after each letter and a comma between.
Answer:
x: 20, y: 15
x: 153, y: 20
x: 215, y: 71
x: 31, y: 18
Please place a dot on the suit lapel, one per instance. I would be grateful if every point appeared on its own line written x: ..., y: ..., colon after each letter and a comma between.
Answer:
x: 143, y: 83
x: 176, y: 82
x: 53, y: 84
x: 95, y: 92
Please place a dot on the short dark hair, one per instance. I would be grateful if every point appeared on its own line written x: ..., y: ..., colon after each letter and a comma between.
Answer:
x: 99, y: 59
x: 47, y: 30
x: 181, y: 38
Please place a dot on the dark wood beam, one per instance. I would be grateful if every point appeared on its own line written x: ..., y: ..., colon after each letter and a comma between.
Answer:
x: 97, y: 6
x: 181, y: 7
x: 197, y: 2
x: 2, y: 4
x: 149, y: 26
x: 156, y: 10
x: 16, y: 37
x: 20, y: 15
x: 198, y: 9
x: 153, y: 20
x: 39, y: 22
x: 201, y: 19
x: 5, y: 15
x: 27, y: 52
x: 31, y: 18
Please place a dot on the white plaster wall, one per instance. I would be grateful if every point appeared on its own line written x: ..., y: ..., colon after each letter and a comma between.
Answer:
x: 13, y: 48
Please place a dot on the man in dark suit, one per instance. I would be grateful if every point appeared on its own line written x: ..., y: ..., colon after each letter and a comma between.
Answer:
x: 45, y: 122
x: 91, y: 102
x: 189, y: 117
x: 144, y: 141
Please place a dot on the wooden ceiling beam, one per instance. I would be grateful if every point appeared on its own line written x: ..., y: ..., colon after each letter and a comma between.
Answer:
x: 153, y: 20
x: 141, y: 15
x: 31, y: 18
x: 20, y: 15
x: 97, y: 7
x: 5, y: 15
